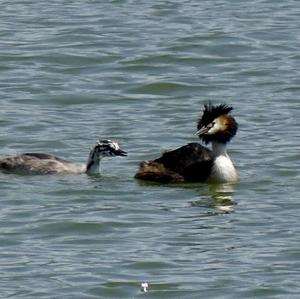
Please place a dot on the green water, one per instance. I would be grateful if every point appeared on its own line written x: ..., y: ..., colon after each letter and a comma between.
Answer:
x: 139, y: 72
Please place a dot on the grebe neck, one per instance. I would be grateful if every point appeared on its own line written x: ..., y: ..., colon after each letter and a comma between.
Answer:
x: 219, y: 148
x: 92, y: 166
x: 223, y: 170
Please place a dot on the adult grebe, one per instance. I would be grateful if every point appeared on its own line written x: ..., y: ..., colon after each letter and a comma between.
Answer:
x: 194, y: 162
x: 40, y: 163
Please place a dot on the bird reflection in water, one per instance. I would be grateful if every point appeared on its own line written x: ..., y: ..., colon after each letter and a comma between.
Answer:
x: 219, y: 197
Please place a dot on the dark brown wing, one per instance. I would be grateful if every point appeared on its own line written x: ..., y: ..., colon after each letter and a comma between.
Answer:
x: 192, y: 161
x: 189, y: 163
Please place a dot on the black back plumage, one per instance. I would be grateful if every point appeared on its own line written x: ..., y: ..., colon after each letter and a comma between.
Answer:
x: 188, y: 160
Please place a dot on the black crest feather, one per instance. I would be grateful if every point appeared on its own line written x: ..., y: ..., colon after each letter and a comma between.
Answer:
x: 212, y: 112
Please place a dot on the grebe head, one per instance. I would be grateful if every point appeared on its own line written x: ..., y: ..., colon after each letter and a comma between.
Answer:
x: 215, y: 124
x: 103, y: 148
x: 106, y: 148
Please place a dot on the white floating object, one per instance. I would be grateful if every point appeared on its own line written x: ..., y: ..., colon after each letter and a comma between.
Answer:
x: 144, y: 286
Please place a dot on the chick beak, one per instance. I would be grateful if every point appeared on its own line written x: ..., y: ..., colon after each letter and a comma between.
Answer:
x: 120, y: 152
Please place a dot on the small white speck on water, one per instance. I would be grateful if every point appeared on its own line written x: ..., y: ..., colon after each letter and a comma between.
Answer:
x: 144, y: 287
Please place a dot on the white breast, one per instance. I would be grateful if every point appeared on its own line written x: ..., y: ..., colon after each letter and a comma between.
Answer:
x: 223, y: 170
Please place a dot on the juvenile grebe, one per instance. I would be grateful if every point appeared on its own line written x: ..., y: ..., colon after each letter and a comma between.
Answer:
x: 40, y: 163
x: 194, y: 162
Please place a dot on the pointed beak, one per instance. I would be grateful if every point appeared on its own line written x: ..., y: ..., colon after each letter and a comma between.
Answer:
x: 202, y: 131
x: 120, y: 152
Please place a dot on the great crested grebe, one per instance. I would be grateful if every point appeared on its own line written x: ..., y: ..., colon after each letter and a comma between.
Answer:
x: 194, y: 162
x: 40, y: 163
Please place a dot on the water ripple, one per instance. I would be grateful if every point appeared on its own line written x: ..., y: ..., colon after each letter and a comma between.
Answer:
x: 139, y: 72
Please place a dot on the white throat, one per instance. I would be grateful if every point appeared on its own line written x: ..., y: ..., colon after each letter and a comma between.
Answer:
x: 92, y: 165
x: 223, y: 170
x: 219, y: 149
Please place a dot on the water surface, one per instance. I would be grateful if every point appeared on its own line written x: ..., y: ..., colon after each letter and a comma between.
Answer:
x: 139, y: 72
